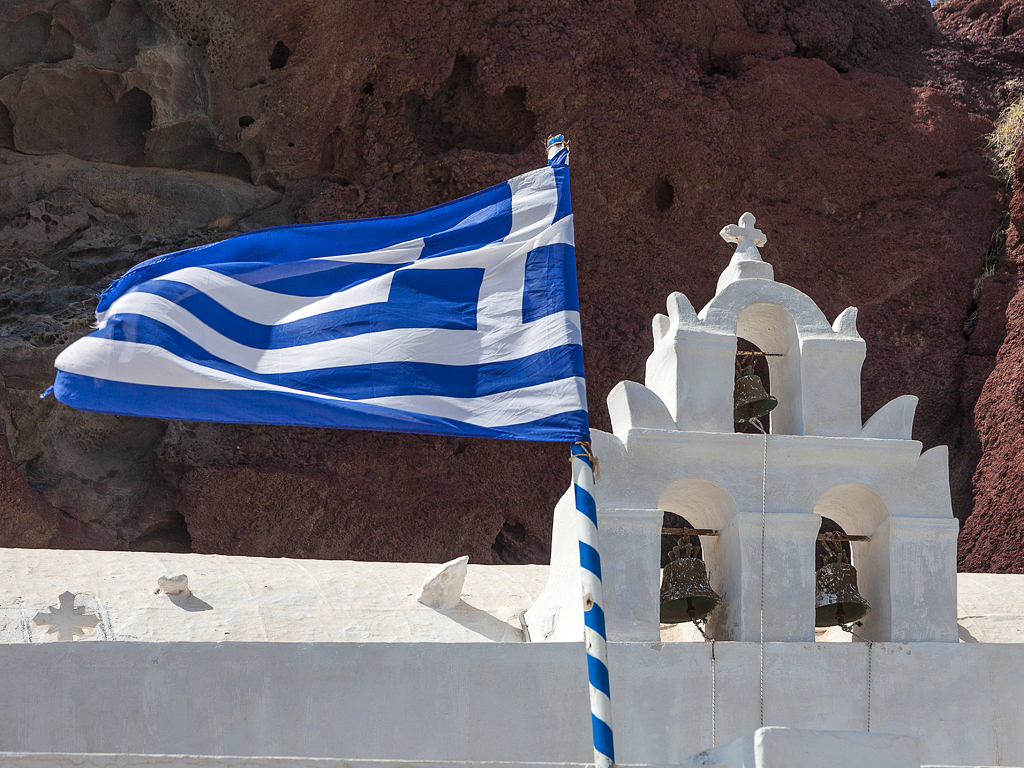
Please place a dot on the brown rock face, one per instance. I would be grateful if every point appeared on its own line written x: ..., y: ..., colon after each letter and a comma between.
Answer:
x: 993, y: 537
x: 991, y: 35
x: 139, y: 128
x: 981, y: 53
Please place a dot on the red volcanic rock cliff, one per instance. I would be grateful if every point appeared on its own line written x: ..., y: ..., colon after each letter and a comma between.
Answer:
x: 853, y: 129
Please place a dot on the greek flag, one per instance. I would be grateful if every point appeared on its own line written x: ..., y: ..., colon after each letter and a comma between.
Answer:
x: 458, y: 320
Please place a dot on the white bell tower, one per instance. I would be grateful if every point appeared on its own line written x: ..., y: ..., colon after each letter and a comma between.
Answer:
x: 674, y: 449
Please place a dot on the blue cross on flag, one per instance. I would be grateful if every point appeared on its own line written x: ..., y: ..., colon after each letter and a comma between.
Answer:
x: 458, y: 320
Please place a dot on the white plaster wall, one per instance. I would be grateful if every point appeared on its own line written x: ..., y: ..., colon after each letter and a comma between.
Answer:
x: 488, y: 701
x: 258, y: 599
x: 800, y: 470
x: 774, y: 747
x: 94, y: 760
x: 86, y: 760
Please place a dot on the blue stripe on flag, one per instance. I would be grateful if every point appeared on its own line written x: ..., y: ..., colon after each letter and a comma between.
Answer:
x: 439, y: 298
x: 603, y: 742
x: 237, y: 406
x: 419, y: 298
x: 594, y: 618
x: 488, y: 225
x: 550, y: 284
x: 368, y: 380
x: 564, y: 207
x: 598, y: 675
x: 585, y: 504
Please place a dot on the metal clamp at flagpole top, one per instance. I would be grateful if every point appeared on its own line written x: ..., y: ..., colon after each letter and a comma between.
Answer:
x: 595, y: 637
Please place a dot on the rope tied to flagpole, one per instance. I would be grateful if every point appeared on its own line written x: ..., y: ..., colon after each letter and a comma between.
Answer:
x: 585, y: 448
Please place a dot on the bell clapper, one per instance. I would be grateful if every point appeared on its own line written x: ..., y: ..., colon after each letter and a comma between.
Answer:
x: 701, y: 625
x: 849, y: 628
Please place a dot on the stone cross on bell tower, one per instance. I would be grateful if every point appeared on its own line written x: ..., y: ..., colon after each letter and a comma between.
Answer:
x: 746, y: 260
x: 747, y: 238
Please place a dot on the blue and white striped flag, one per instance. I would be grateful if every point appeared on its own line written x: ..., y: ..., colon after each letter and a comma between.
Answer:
x: 459, y: 320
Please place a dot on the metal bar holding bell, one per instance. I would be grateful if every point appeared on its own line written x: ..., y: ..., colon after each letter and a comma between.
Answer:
x: 689, y: 532
x: 836, y: 536
x: 711, y: 532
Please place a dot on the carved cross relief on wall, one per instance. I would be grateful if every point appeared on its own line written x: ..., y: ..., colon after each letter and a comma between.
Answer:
x: 66, y: 621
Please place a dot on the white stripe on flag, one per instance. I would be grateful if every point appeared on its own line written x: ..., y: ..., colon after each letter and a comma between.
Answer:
x: 401, y: 253
x: 501, y: 293
x: 154, y: 366
x: 534, y: 200
x: 253, y: 303
x: 438, y: 346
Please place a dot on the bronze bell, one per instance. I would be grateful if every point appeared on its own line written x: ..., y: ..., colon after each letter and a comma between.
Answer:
x: 837, y: 600
x: 686, y: 594
x: 749, y: 398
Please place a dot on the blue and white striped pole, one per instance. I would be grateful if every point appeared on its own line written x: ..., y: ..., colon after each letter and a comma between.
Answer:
x: 590, y: 567
x: 593, y: 598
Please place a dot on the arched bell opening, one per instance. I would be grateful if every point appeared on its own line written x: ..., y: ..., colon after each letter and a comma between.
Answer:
x: 860, y: 513
x: 857, y: 509
x: 705, y: 503
x: 706, y: 506
x: 753, y: 401
x: 838, y: 604
x: 770, y: 329
x: 686, y: 596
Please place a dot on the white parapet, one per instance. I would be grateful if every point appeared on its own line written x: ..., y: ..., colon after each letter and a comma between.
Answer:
x: 317, y: 659
x: 795, y: 748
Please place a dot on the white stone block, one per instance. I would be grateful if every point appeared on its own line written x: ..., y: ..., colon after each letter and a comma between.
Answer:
x: 634, y: 406
x: 442, y: 587
x: 734, y: 564
x: 173, y: 585
x: 893, y: 421
x: 909, y: 577
x: 776, y: 747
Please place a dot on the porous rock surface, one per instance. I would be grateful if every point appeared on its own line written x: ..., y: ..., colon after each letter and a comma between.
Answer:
x: 985, y: 61
x: 853, y: 129
x: 992, y: 538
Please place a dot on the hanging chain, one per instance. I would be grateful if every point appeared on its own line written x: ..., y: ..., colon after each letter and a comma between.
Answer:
x: 849, y: 628
x: 870, y: 645
x: 697, y: 624
x: 713, y: 703
x: 764, y: 511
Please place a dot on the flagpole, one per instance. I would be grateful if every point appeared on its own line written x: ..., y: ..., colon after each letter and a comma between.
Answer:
x: 590, y: 567
x: 593, y: 598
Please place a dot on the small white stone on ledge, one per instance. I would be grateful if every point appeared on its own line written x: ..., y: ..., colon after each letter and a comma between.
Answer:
x: 442, y: 587
x: 174, y: 585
